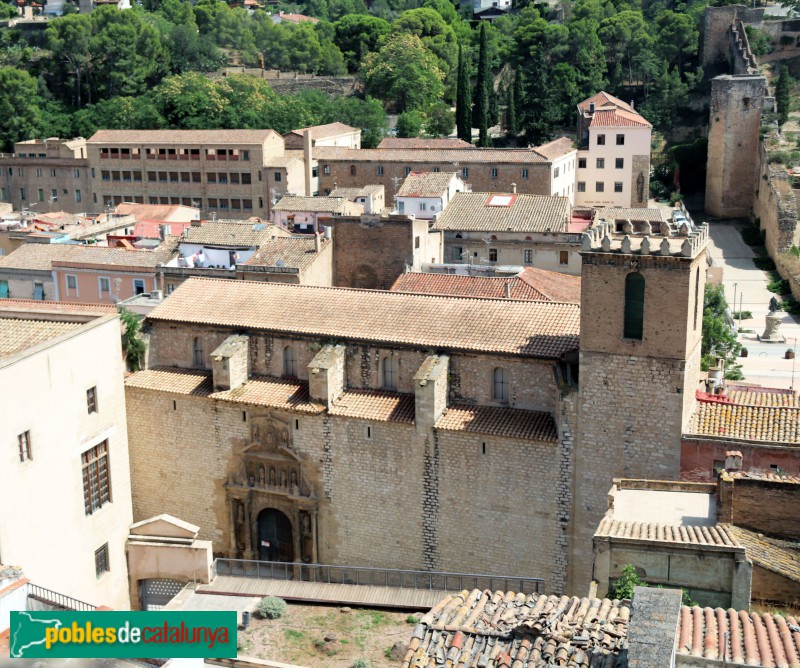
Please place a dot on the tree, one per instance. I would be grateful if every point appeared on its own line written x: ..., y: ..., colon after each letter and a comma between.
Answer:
x: 441, y: 120
x: 512, y: 127
x: 190, y: 101
x: 357, y: 35
x: 409, y: 124
x: 436, y: 35
x: 463, y: 99
x: 483, y: 86
x: 403, y: 73
x: 782, y: 95
x: 19, y: 110
x: 7, y: 11
x: 625, y: 36
x: 68, y: 38
x: 622, y: 588
x: 133, y: 346
x: 718, y: 341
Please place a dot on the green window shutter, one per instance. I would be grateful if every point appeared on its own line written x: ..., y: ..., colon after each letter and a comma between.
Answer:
x: 3, y: 289
x: 634, y: 306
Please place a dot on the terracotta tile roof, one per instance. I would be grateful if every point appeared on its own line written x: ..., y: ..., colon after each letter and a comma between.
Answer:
x: 17, y: 334
x: 281, y: 160
x: 430, y: 156
x: 773, y: 554
x: 618, y: 118
x: 766, y: 397
x: 773, y: 424
x: 292, y: 203
x: 763, y: 476
x: 425, y: 184
x: 739, y: 637
x: 258, y: 390
x: 556, y: 148
x: 494, y: 629
x: 375, y: 405
x: 43, y: 257
x: 603, y: 99
x: 66, y: 308
x: 352, y: 193
x: 522, y: 213
x: 418, y: 142
x: 230, y: 233
x: 536, y: 329
x: 323, y: 131
x: 499, y: 421
x: 530, y: 283
x: 162, y: 213
x: 289, y: 251
x: 188, y: 137
x: 638, y: 214
x: 690, y: 535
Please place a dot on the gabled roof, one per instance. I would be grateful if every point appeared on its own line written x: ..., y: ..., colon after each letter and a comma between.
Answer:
x: 296, y: 252
x: 162, y: 213
x: 498, y: 629
x: 749, y: 422
x: 618, y: 118
x: 313, y: 204
x: 503, y: 212
x: 718, y: 535
x: 530, y: 283
x: 773, y: 554
x: 419, y: 142
x: 17, y: 334
x: 43, y: 257
x: 231, y: 233
x: 323, y: 131
x: 603, y: 99
x: 556, y: 148
x: 426, y: 184
x: 193, y: 137
x: 430, y: 156
x: 532, y: 329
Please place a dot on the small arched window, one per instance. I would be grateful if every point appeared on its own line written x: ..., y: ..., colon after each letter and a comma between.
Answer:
x: 389, y: 373
x: 289, y: 365
x: 500, y: 384
x: 634, y: 306
x: 197, y: 353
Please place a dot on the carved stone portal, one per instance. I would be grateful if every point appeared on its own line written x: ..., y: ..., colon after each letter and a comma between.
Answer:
x: 270, y: 475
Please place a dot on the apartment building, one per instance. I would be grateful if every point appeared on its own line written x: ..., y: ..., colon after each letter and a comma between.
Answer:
x: 332, y: 134
x: 229, y: 173
x: 614, y: 154
x: 45, y: 175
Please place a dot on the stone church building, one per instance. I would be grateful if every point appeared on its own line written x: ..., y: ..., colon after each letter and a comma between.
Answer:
x: 355, y: 427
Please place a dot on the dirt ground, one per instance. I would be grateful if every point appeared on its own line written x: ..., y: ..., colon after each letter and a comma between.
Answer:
x: 299, y: 637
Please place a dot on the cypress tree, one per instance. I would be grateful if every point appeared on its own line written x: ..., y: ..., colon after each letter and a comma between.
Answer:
x: 482, y: 87
x: 782, y: 95
x: 512, y: 127
x: 463, y: 99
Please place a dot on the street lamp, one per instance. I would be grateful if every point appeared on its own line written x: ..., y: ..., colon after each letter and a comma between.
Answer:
x: 735, y: 286
x: 791, y: 387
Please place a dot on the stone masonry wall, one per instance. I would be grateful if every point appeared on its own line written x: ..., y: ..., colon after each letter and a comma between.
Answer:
x: 775, y: 206
x: 769, y: 586
x: 765, y: 506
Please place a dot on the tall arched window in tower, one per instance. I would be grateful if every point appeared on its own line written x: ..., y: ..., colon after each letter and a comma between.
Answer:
x: 197, y: 353
x: 289, y: 365
x: 390, y: 373
x: 697, y: 297
x: 634, y: 306
x: 500, y: 384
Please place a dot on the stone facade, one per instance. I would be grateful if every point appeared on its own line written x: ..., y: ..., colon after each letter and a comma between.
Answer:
x: 775, y: 206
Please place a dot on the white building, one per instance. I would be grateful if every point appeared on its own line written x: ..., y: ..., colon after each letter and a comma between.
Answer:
x: 426, y: 194
x: 65, y: 491
x: 613, y: 155
x: 563, y: 159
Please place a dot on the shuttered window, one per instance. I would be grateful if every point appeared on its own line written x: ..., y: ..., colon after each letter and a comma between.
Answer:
x: 634, y: 306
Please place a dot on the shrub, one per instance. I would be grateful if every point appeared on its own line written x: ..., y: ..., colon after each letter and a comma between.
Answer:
x: 628, y: 579
x: 361, y: 663
x: 742, y: 315
x: 760, y: 42
x: 764, y: 263
x: 778, y: 285
x: 272, y: 607
x: 674, y: 198
x: 751, y: 236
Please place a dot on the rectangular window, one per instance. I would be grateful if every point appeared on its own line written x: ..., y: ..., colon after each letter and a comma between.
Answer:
x: 72, y: 285
x: 563, y: 258
x: 581, y: 186
x: 416, y: 241
x: 138, y: 286
x: 555, y: 173
x: 464, y: 172
x: 581, y: 163
x: 104, y: 285
x: 617, y: 186
x: 494, y: 172
x: 234, y: 177
x: 101, y: 560
x: 39, y: 173
x: 41, y: 194
x: 78, y: 196
x: 599, y: 187
x: 96, y: 478
x: 53, y: 194
x: 408, y: 171
x: 152, y: 176
x: 619, y: 163
x: 38, y: 291
x: 436, y: 170
x: 422, y: 207
x: 52, y: 173
x: 601, y: 163
x: 277, y: 176
x: 525, y: 173
x: 246, y: 179
x: 211, y: 177
x: 620, y: 140
x: 492, y: 255
x: 527, y: 256
x: 601, y: 140
x: 326, y: 169
x: 22, y: 194
x: 91, y: 400
x: 24, y: 441
x: 380, y: 170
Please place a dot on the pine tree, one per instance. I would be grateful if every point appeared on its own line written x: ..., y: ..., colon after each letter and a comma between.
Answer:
x: 512, y: 127
x: 782, y: 95
x: 482, y: 87
x: 463, y: 99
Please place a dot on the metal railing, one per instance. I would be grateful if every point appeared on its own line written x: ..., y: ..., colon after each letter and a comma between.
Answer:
x: 56, y: 600
x: 375, y: 577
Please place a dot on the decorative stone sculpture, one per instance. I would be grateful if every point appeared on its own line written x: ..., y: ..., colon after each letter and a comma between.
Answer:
x: 606, y: 244
x: 771, y: 333
x: 664, y: 228
x: 644, y: 249
x: 627, y: 227
x: 626, y: 244
x: 647, y: 228
x: 664, y: 249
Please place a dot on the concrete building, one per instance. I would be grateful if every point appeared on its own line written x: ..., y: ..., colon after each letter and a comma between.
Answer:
x: 65, y: 496
x: 614, y: 154
x: 301, y: 260
x: 332, y: 134
x: 46, y: 175
x: 511, y: 229
x: 371, y: 197
x: 311, y: 214
x: 156, y: 221
x: 484, y: 169
x: 426, y: 194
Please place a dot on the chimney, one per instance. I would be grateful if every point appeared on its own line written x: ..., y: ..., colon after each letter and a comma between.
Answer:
x: 733, y: 460
x: 632, y: 103
x: 307, y: 157
x: 317, y: 242
x: 514, y: 188
x: 508, y: 289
